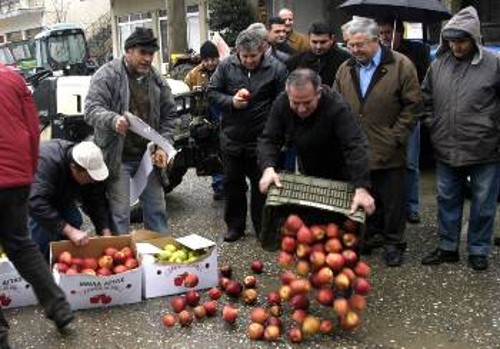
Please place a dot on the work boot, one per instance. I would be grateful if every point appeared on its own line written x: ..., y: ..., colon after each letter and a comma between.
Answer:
x: 439, y: 256
x: 232, y: 236
x: 63, y: 318
x: 478, y: 262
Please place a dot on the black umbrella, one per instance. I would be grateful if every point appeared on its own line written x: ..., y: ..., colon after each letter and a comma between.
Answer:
x: 423, y: 11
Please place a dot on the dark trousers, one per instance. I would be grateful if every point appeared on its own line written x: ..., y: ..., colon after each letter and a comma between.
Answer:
x: 388, y: 189
x: 236, y: 170
x: 25, y: 255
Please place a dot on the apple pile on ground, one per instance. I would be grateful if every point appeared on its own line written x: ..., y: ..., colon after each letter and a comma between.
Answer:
x: 112, y: 261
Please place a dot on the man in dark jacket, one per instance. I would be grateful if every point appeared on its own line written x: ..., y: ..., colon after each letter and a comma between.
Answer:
x: 324, y: 57
x: 130, y: 84
x: 462, y: 99
x: 381, y: 86
x: 244, y: 86
x: 319, y: 124
x: 391, y: 36
x: 67, y: 173
x: 19, y: 138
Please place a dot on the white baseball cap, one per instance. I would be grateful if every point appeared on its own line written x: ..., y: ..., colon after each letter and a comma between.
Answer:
x: 89, y: 156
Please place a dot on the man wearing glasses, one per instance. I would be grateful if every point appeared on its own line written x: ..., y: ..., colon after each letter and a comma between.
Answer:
x: 382, y: 89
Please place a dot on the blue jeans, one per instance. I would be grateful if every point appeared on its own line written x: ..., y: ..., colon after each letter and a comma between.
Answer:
x: 412, y: 172
x: 43, y: 237
x: 484, y: 190
x: 152, y: 201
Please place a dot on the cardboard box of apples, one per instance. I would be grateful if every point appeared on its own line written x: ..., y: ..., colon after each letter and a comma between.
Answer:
x: 172, y: 266
x: 103, y: 273
x: 15, y: 292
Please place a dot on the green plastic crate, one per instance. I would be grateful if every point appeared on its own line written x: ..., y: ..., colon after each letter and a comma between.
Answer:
x: 315, y: 200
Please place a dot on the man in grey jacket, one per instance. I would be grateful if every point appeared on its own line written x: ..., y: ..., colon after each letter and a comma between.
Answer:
x: 131, y: 84
x: 462, y: 96
x: 244, y: 86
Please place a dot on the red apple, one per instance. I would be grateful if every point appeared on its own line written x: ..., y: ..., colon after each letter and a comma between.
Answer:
x: 350, y: 257
x: 350, y: 321
x: 300, y: 286
x: 272, y: 333
x: 119, y: 257
x: 199, y: 311
x: 274, y: 321
x: 288, y: 244
x: 325, y: 276
x: 257, y: 267
x: 210, y: 307
x: 349, y: 240
x: 362, y: 286
x: 285, y: 293
x: 318, y: 232
x: 128, y: 252
x: 304, y: 236
x: 226, y: 271
x: 103, y: 272
x: 332, y: 230
x: 131, y: 263
x: 275, y: 310
x: 178, y: 303
x: 300, y: 301
x: 287, y: 277
x: 362, y: 269
x: 78, y: 262
x: 223, y: 282
x: 234, y: 289
x: 299, y: 315
x: 293, y: 223
x: 295, y: 335
x: 250, y: 281
x: 259, y: 315
x: 65, y: 257
x: 89, y: 272
x: 357, y: 302
x: 255, y: 331
x: 335, y: 261
x: 326, y: 326
x: 333, y: 245
x: 285, y: 259
x: 341, y: 306
x: 229, y: 314
x: 72, y: 271
x: 325, y: 296
x: 185, y: 318
x: 303, y: 251
x: 119, y: 269
x: 250, y: 296
x: 342, y: 282
x: 273, y: 298
x: 110, y: 251
x: 192, y: 298
x: 302, y: 267
x: 317, y: 259
x: 191, y: 280
x: 310, y: 326
x: 169, y: 320
x: 214, y: 293
x: 61, y: 267
x: 89, y: 263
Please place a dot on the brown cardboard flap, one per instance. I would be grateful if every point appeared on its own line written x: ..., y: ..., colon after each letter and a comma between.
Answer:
x: 142, y: 235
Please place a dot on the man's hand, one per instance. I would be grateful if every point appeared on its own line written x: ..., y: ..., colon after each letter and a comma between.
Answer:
x: 364, y: 200
x: 106, y: 232
x: 269, y: 177
x: 121, y: 125
x: 160, y: 158
x: 76, y: 236
x: 239, y: 102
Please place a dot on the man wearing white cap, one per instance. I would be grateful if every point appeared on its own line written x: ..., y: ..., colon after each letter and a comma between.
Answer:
x: 67, y: 173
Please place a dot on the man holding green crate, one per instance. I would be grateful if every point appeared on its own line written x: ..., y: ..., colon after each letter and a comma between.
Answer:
x: 318, y: 123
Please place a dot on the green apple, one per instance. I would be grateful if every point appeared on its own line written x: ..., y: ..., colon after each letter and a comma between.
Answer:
x: 170, y: 247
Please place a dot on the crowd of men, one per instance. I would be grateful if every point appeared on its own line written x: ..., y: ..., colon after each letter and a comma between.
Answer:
x: 284, y: 101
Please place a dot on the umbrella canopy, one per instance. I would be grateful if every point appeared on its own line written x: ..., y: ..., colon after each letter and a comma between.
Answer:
x: 423, y: 11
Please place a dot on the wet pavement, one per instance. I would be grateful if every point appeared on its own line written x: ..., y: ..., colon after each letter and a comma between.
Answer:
x: 414, y: 306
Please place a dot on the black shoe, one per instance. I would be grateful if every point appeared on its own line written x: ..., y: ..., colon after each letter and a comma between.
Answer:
x: 478, y: 262
x: 496, y: 241
x: 232, y: 236
x: 439, y: 256
x: 393, y: 257
x: 218, y: 196
x: 63, y: 318
x: 413, y: 217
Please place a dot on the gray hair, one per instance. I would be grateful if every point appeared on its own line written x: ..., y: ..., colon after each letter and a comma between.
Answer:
x: 259, y: 29
x: 250, y: 40
x: 362, y: 25
x: 301, y: 77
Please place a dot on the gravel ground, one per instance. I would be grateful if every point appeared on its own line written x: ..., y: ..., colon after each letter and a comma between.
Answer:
x: 413, y: 306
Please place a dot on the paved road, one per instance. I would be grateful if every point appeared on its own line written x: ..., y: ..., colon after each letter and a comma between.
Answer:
x: 413, y: 306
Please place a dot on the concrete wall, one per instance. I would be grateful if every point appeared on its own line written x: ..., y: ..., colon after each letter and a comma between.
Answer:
x: 75, y: 11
